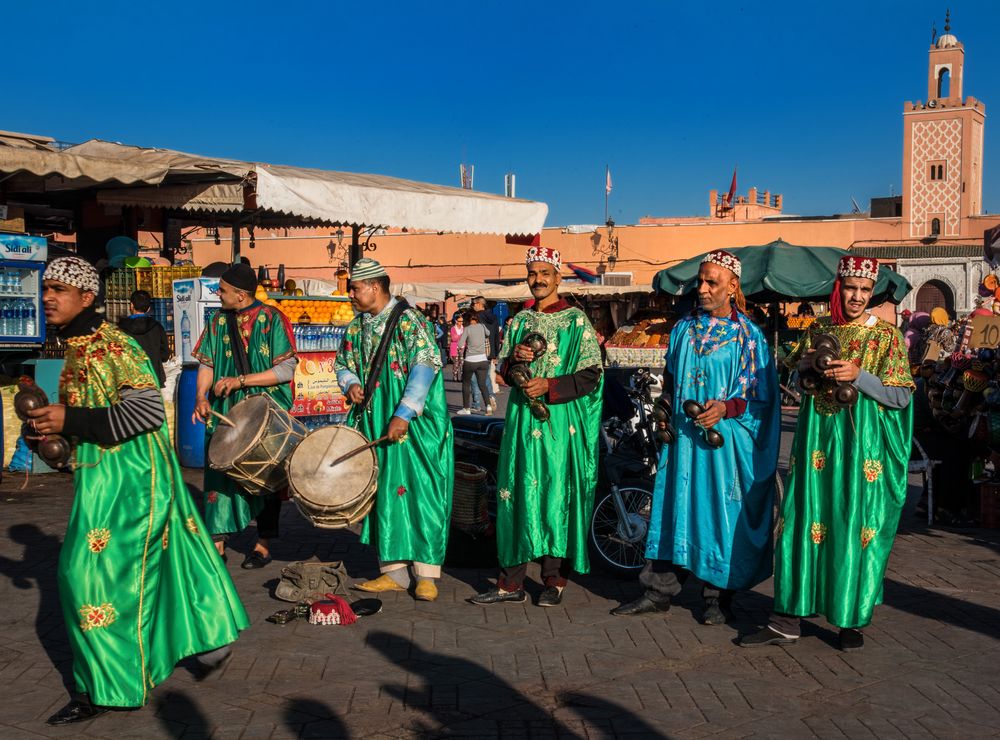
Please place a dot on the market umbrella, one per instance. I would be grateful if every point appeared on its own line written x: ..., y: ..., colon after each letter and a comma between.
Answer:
x: 781, y: 271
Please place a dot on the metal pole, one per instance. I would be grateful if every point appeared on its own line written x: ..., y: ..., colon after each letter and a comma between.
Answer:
x: 236, y: 240
x: 356, y: 250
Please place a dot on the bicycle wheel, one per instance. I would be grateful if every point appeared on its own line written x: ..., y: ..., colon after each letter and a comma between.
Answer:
x: 615, y: 547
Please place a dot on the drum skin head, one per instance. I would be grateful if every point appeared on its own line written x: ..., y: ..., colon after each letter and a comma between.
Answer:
x: 229, y: 444
x: 342, y: 492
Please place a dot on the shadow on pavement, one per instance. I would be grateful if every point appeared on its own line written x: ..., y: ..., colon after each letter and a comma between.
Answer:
x: 179, y: 716
x: 596, y: 711
x: 311, y: 718
x: 941, y: 607
x: 38, y: 564
x: 451, y: 704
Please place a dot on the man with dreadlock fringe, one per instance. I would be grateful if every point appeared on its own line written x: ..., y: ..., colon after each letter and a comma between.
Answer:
x: 847, y: 471
x: 712, y: 506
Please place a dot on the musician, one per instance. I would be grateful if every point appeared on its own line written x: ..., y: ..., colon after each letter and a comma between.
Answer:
x: 402, y: 399
x: 847, y: 472
x: 245, y: 346
x: 140, y: 585
x: 712, y: 507
x: 548, y: 469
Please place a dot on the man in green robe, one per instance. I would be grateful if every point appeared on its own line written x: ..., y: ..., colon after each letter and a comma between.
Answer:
x: 246, y: 348
x: 847, y: 471
x: 548, y: 469
x: 404, y: 400
x: 140, y: 584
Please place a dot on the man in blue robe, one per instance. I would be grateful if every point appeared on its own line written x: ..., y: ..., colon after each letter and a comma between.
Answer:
x: 713, y: 507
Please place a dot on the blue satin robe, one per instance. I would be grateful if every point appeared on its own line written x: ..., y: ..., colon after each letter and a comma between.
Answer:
x: 713, y: 509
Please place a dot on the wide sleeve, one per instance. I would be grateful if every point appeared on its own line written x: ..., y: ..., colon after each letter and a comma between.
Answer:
x: 281, y: 338
x: 119, y: 363
x: 208, y: 343
x: 418, y: 340
x: 894, y: 368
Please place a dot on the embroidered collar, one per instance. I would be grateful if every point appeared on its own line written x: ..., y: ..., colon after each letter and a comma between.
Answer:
x: 83, y: 324
x: 560, y: 305
x: 381, y: 317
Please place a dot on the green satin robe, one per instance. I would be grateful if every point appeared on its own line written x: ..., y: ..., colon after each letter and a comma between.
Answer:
x: 267, y: 334
x: 416, y: 476
x: 548, y: 470
x: 846, y: 487
x: 140, y: 582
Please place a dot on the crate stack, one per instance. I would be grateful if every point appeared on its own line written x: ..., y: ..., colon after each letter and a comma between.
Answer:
x: 118, y: 288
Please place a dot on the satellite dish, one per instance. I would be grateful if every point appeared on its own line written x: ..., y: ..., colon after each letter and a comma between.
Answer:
x: 932, y: 104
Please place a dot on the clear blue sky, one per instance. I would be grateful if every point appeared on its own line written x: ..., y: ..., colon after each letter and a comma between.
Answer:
x: 805, y: 96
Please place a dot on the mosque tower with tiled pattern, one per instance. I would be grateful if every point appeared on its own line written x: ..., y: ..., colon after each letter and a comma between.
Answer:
x: 943, y: 148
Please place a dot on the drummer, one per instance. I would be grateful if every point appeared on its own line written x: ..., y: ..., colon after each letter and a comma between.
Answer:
x: 404, y: 400
x: 246, y: 347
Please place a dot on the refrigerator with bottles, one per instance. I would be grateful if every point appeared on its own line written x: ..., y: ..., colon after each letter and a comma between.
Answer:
x: 195, y: 300
x: 22, y: 263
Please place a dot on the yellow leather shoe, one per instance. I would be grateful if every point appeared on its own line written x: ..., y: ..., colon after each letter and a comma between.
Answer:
x: 426, y: 590
x: 379, y: 585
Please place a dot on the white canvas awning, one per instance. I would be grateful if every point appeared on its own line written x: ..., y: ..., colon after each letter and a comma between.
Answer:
x: 180, y: 181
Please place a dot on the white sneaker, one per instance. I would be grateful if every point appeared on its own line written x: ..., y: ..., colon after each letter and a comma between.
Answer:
x: 463, y: 412
x: 489, y: 409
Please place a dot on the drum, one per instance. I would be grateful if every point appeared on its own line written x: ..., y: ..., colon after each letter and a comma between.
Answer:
x: 333, y: 497
x: 254, y: 452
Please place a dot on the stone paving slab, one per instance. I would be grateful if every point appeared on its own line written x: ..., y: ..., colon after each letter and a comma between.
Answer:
x: 449, y: 668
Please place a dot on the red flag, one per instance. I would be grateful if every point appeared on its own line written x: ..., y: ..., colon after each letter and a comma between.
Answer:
x: 732, y: 190
x: 607, y: 185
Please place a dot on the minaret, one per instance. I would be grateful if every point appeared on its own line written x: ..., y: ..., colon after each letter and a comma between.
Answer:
x: 943, y: 148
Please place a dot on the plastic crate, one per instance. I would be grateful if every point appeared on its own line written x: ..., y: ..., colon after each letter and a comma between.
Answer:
x: 163, y: 311
x: 163, y: 279
x: 119, y: 284
x: 116, y: 308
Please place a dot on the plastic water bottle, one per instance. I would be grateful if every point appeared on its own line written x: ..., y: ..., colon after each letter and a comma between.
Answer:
x: 22, y: 317
x: 30, y: 324
x: 185, y: 337
x: 7, y: 317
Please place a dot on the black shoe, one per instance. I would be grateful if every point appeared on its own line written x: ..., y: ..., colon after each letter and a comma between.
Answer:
x: 204, y: 670
x: 642, y: 605
x: 254, y: 560
x: 496, y: 596
x: 78, y: 710
x: 765, y: 636
x: 551, y: 596
x: 715, y: 613
x: 851, y: 640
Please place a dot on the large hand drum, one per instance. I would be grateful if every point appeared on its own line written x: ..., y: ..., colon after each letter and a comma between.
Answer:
x: 254, y: 451
x: 338, y: 496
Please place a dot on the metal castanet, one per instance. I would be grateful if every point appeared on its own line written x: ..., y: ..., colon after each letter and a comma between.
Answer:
x: 713, y: 438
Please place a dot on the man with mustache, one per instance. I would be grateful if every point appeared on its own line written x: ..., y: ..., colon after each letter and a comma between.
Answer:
x: 140, y: 584
x: 712, y: 508
x: 847, y: 472
x: 548, y: 469
x: 403, y: 399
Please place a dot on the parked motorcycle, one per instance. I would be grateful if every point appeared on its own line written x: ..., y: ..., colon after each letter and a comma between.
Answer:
x: 623, y: 497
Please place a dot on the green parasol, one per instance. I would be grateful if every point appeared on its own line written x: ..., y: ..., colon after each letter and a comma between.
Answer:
x: 780, y: 271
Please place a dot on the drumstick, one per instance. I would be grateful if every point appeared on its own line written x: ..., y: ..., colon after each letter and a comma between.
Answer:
x: 358, y: 450
x: 222, y: 417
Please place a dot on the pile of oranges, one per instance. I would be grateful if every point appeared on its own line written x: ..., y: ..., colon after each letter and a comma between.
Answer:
x: 318, y: 312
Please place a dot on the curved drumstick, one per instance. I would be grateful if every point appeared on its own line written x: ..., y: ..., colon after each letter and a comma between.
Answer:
x: 223, y: 418
x: 359, y: 450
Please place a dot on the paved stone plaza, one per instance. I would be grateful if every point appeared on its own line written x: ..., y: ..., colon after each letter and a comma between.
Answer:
x: 929, y: 667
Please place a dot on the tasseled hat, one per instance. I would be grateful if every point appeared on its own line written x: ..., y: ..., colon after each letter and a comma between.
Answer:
x: 722, y: 258
x: 850, y: 266
x: 332, y: 610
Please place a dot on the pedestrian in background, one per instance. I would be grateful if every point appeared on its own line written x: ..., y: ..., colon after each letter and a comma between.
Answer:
x: 474, y: 347
x: 147, y: 332
x: 457, y: 328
